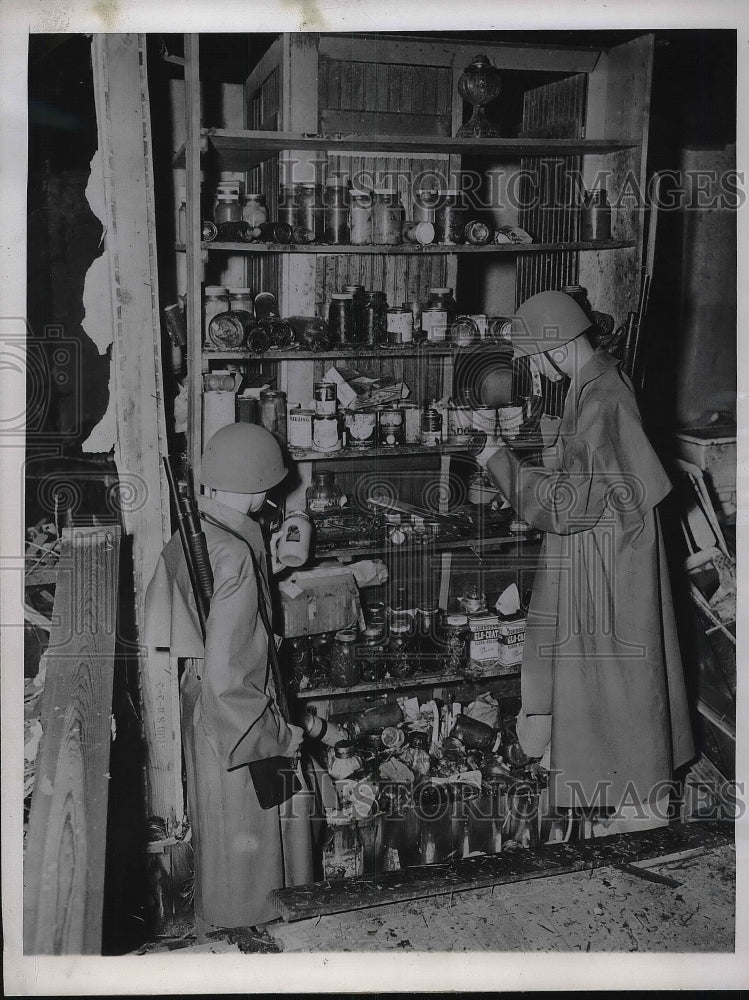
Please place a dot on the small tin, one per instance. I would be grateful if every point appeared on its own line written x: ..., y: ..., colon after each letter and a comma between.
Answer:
x: 400, y: 325
x: 361, y: 428
x: 484, y: 418
x: 431, y: 427
x: 326, y: 434
x: 459, y: 426
x: 299, y: 427
x: 392, y: 427
x: 326, y: 398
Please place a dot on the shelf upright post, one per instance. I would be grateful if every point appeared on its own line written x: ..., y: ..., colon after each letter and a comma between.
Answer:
x: 194, y: 254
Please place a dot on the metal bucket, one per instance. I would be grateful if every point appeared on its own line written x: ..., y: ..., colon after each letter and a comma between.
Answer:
x: 353, y: 846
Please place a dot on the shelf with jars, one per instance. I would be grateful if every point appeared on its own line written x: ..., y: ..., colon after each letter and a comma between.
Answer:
x: 428, y: 680
x: 407, y: 249
x: 515, y: 544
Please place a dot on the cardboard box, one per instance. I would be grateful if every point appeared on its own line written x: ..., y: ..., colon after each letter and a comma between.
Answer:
x: 320, y: 604
x: 496, y: 642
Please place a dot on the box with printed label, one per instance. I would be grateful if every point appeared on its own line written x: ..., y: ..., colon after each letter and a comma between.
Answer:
x: 511, y: 641
x: 496, y: 640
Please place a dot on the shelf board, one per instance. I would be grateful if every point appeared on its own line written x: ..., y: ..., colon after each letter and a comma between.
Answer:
x: 411, y: 249
x: 312, y: 455
x: 397, y: 684
x: 431, y: 350
x: 240, y: 149
x: 479, y: 545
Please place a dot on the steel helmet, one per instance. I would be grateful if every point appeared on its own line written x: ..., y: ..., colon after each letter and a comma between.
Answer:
x: 242, y: 458
x: 545, y: 321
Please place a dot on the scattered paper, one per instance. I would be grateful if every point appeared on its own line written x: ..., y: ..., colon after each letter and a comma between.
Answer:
x: 508, y: 602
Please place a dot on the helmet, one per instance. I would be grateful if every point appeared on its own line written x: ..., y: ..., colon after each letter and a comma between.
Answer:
x: 242, y: 458
x: 545, y: 321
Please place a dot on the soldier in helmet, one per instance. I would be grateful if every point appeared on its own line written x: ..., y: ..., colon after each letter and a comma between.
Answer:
x: 229, y: 713
x: 601, y: 680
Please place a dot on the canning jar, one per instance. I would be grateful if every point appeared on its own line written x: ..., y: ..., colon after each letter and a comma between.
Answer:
x: 359, y: 297
x: 374, y: 318
x: 336, y: 213
x: 229, y: 331
x: 323, y: 494
x: 344, y: 666
x: 298, y: 655
x: 449, y: 218
x: 400, y: 650
x: 360, y: 217
x: 434, y: 323
x: 454, y: 635
x: 273, y: 413
x: 477, y: 233
x: 372, y: 655
x: 425, y: 203
x: 241, y: 299
x: 287, y: 204
x: 387, y: 217
x: 341, y: 318
x: 444, y: 297
x: 431, y: 427
x: 310, y: 212
x: 215, y: 301
x: 227, y: 209
x: 254, y: 209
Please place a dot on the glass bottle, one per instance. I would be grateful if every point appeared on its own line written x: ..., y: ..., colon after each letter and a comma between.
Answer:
x: 227, y: 209
x: 344, y: 665
x: 182, y: 216
x: 374, y: 319
x: 273, y: 413
x: 287, y: 204
x: 254, y: 209
x: 360, y: 217
x: 323, y: 494
x: 449, y: 218
x: 341, y: 318
x: 359, y: 298
x: 310, y: 212
x: 387, y: 217
x: 595, y: 217
x: 336, y: 213
x: 241, y: 299
x: 443, y: 297
x: 372, y: 655
x: 400, y: 647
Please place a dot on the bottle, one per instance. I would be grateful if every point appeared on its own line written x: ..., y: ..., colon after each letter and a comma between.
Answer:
x: 310, y: 212
x: 360, y: 217
x: 449, y: 218
x: 341, y: 318
x: 227, y: 209
x: 336, y: 213
x: 374, y: 319
x: 273, y: 413
x: 477, y: 233
x: 387, y: 217
x: 287, y: 205
x: 344, y: 665
x: 359, y: 298
x: 443, y: 297
x: 595, y: 217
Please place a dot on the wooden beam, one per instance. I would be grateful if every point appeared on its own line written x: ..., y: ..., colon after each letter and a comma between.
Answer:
x: 363, y: 891
x: 64, y: 861
x: 124, y: 131
x: 263, y: 69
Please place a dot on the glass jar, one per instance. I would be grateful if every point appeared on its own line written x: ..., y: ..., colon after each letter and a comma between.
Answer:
x: 336, y: 213
x: 434, y: 323
x: 321, y: 646
x: 254, y: 209
x: 463, y: 331
x: 400, y: 326
x: 273, y: 413
x: 241, y: 299
x: 341, y: 318
x: 227, y: 209
x: 372, y: 655
x: 360, y: 217
x: 443, y: 297
x: 374, y: 319
x: 287, y: 204
x: 310, y: 213
x: 266, y: 306
x: 454, y: 635
x: 215, y: 301
x: 477, y: 233
x: 323, y: 494
x: 298, y: 655
x: 425, y: 203
x: 344, y: 665
x: 387, y: 217
x: 344, y: 760
x: 400, y: 649
x: 359, y: 298
x: 449, y: 218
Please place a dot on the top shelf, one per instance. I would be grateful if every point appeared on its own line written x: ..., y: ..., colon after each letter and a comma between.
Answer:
x: 240, y: 149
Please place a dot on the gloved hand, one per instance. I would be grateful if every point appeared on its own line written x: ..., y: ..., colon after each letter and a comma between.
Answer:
x: 534, y: 733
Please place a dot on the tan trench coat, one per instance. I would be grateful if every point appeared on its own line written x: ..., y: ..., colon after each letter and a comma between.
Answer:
x: 601, y: 652
x: 229, y: 718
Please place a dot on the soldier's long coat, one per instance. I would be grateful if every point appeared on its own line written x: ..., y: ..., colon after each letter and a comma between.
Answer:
x: 229, y: 718
x: 601, y: 651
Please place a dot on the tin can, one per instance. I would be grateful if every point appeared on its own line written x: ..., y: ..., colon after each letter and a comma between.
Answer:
x: 326, y: 434
x: 392, y: 429
x: 434, y: 323
x: 400, y: 325
x: 273, y: 413
x: 463, y: 332
x: 361, y: 427
x: 228, y: 331
x: 484, y: 418
x: 299, y: 428
x: 412, y: 415
x: 459, y: 423
x: 477, y: 233
x: 326, y: 398
x: 431, y: 427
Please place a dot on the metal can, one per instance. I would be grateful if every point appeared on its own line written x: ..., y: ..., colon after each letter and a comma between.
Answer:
x: 326, y: 397
x: 400, y: 325
x: 273, y: 413
x: 431, y: 427
x: 361, y: 426
x: 434, y: 323
x: 228, y: 331
x: 412, y: 415
x: 449, y: 218
x: 299, y: 428
x: 392, y: 426
x: 459, y: 423
x: 326, y: 434
x: 463, y: 331
x: 484, y: 418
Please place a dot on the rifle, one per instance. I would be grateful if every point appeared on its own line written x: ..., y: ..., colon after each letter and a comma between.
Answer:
x: 194, y: 544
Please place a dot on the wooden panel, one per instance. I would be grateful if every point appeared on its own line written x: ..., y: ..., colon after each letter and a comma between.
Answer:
x: 64, y: 860
x: 377, y: 123
x: 124, y: 132
x: 358, y: 893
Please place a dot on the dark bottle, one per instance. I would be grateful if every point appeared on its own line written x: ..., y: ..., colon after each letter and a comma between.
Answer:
x: 359, y: 297
x: 310, y: 213
x: 336, y: 214
x: 341, y: 318
x: 374, y: 319
x: 266, y: 306
x: 275, y: 232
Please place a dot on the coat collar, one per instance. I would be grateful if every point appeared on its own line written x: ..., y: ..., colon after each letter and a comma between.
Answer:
x: 596, y: 366
x: 245, y: 526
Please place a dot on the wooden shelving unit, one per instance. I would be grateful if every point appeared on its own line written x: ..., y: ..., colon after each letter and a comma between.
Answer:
x: 408, y: 250
x: 403, y: 684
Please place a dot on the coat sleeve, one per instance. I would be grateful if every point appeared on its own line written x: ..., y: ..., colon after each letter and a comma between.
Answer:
x: 566, y: 500
x: 241, y: 721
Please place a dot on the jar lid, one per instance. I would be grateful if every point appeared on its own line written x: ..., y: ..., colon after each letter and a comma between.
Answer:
x: 360, y: 193
x: 440, y: 291
x: 254, y: 196
x: 239, y: 291
x: 309, y: 185
x: 322, y: 474
x: 344, y: 748
x: 342, y: 296
x: 272, y: 393
x: 450, y: 192
x: 345, y: 635
x: 227, y: 196
x: 352, y: 288
x: 398, y: 309
x: 215, y: 290
x: 399, y: 627
x: 373, y: 632
x: 456, y: 621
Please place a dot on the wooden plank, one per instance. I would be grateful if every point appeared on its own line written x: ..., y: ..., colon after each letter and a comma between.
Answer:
x: 124, y: 132
x: 435, y: 51
x: 361, y: 892
x: 64, y: 861
x: 416, y: 251
x: 376, y: 123
x: 263, y: 69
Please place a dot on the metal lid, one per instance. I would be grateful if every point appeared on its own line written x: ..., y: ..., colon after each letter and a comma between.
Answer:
x: 456, y: 621
x: 239, y: 291
x: 373, y: 632
x: 440, y: 291
x: 342, y: 296
x: 272, y: 393
x: 345, y: 635
x: 254, y: 196
x: 344, y: 748
x: 215, y: 290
